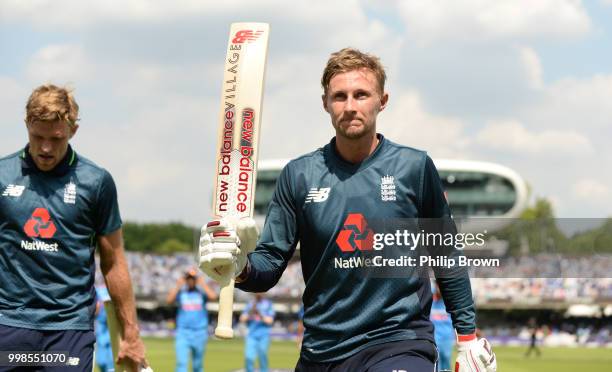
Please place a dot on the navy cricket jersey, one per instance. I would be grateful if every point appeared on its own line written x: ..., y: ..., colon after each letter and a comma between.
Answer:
x: 49, y: 222
x: 346, y: 311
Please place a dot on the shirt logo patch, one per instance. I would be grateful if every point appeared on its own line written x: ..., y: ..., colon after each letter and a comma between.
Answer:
x: 356, y: 234
x: 387, y: 188
x: 70, y: 193
x: 13, y: 190
x: 40, y: 225
x: 317, y: 195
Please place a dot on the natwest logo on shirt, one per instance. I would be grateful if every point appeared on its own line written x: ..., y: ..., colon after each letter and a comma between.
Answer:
x: 40, y: 224
x: 356, y: 234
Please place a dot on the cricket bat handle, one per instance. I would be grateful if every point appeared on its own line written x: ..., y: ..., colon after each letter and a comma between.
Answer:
x: 114, y: 329
x: 224, y: 328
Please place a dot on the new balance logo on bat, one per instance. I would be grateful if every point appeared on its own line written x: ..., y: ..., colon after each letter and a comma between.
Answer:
x: 246, y: 36
x: 317, y: 195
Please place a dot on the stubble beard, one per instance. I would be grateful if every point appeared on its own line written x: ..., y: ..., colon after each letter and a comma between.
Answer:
x: 352, y: 133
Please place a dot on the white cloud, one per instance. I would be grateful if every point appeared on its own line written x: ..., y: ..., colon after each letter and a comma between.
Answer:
x: 483, y: 20
x: 148, y: 74
x: 161, y: 157
x: 60, y: 62
x: 589, y: 189
x: 514, y: 137
x: 87, y: 14
x: 74, y: 13
x: 574, y: 102
x: 532, y: 66
x: 408, y: 122
x: 13, y: 97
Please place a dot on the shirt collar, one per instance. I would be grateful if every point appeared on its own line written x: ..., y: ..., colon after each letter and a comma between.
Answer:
x: 69, y: 160
x: 354, y: 167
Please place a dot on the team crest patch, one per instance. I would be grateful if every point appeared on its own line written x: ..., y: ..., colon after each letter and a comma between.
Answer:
x: 387, y: 188
x: 70, y: 193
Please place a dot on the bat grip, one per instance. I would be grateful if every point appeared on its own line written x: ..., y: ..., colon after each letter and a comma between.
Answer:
x: 114, y: 328
x: 224, y: 328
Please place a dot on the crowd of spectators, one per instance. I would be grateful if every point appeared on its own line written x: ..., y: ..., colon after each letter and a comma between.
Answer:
x: 154, y: 275
x: 539, y: 278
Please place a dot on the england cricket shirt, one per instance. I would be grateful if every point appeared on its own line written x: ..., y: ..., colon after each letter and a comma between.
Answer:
x: 49, y: 222
x: 329, y: 207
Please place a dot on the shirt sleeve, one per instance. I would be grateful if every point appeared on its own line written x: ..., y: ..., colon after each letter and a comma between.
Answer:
x: 270, y: 309
x: 203, y: 294
x: 278, y: 239
x: 454, y: 284
x: 247, y: 309
x: 106, y: 215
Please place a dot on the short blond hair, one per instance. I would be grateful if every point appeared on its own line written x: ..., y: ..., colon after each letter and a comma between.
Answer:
x: 349, y: 59
x: 49, y: 102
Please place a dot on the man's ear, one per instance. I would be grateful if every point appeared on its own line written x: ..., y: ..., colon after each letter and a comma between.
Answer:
x: 324, y: 99
x: 384, y: 100
x: 73, y: 130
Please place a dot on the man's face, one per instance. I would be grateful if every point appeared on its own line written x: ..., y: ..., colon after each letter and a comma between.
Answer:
x: 353, y: 101
x: 49, y: 142
x: 191, y: 282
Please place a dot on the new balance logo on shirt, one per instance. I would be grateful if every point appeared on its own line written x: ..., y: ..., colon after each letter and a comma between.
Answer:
x: 13, y: 190
x: 317, y: 195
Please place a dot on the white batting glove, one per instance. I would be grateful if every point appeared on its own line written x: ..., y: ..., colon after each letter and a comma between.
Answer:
x: 224, y: 246
x: 474, y: 355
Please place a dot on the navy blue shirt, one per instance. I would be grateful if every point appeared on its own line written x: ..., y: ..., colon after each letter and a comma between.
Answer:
x: 49, y: 222
x: 326, y: 205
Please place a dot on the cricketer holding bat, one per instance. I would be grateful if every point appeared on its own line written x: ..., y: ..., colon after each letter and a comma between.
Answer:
x: 352, y: 322
x: 54, y: 207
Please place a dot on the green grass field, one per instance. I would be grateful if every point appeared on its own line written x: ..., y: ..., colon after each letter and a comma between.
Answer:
x: 224, y: 356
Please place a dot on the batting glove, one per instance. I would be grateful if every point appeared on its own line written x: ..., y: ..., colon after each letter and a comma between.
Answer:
x: 474, y: 355
x: 224, y: 246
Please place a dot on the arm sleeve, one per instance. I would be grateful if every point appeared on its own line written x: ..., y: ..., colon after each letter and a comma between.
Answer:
x: 454, y: 284
x: 270, y: 310
x: 177, y: 299
x: 277, y: 241
x: 106, y: 215
x: 246, y: 310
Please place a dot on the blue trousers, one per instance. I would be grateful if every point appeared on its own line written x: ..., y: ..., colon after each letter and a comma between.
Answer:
x: 104, y: 356
x: 407, y: 356
x: 78, y: 344
x: 257, y: 346
x: 190, y: 342
x: 445, y: 351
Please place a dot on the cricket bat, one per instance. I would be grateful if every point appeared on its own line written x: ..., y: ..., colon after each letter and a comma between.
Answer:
x: 237, y: 146
x: 114, y: 328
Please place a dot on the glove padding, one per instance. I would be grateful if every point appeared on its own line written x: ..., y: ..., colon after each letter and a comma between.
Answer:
x: 475, y: 356
x: 224, y: 246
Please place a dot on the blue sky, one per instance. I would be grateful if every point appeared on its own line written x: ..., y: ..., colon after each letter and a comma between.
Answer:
x: 524, y: 84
